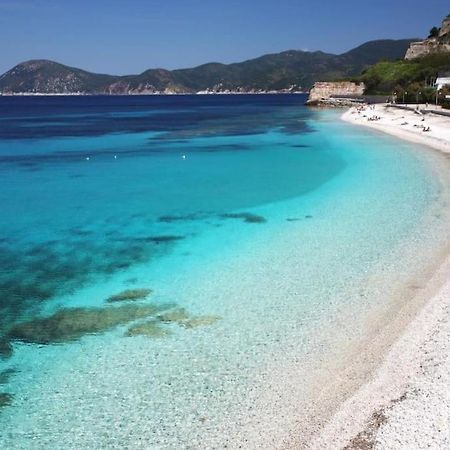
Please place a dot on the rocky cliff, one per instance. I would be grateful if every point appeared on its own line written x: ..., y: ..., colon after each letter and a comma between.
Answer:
x: 432, y: 45
x: 326, y: 93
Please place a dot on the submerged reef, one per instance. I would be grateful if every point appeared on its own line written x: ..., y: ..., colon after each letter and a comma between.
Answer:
x: 70, y: 324
x: 5, y: 375
x: 294, y: 219
x: 5, y: 399
x: 176, y: 316
x: 180, y: 218
x: 66, y: 263
x: 161, y: 239
x: 300, y: 146
x: 6, y: 349
x: 199, y: 321
x: 181, y: 317
x: 245, y: 216
x: 129, y: 295
x: 151, y: 328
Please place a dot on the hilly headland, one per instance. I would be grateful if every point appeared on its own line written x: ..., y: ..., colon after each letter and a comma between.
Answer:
x: 288, y: 71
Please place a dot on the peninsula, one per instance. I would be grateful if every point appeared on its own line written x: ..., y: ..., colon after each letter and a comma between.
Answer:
x: 289, y: 71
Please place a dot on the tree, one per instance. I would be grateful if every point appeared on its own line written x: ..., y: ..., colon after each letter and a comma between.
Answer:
x: 442, y: 94
x: 434, y: 32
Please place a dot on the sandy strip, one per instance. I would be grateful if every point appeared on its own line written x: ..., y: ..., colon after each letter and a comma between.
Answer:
x: 404, y: 124
x: 406, y: 404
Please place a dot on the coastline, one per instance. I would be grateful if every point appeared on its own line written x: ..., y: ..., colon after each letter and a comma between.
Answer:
x: 405, y: 402
x: 154, y: 94
x: 404, y: 124
x: 281, y: 378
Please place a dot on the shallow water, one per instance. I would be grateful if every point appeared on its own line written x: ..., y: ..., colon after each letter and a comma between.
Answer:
x: 278, y: 229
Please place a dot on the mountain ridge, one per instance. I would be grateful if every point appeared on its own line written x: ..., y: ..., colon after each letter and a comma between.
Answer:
x: 290, y: 70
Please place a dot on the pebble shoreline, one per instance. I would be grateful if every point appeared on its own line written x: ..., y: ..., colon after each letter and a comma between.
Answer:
x: 406, y: 404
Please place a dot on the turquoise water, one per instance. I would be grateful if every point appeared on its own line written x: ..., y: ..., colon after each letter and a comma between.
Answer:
x: 284, y: 234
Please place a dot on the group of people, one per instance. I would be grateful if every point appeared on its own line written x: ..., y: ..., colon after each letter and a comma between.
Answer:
x: 362, y: 109
x: 424, y: 127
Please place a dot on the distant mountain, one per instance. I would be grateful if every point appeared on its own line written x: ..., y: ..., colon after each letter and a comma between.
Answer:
x: 289, y: 70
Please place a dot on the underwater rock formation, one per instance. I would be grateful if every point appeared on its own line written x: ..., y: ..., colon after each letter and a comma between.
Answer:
x: 173, y: 315
x: 177, y: 316
x: 170, y: 219
x: 245, y: 216
x: 70, y: 324
x: 199, y: 321
x: 5, y: 375
x: 161, y: 239
x: 129, y: 295
x: 151, y: 328
x: 6, y: 349
x: 5, y: 399
x: 183, y: 319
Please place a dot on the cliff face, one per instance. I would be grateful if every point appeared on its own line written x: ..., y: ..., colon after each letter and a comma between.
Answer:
x: 444, y: 32
x: 322, y: 91
x: 427, y: 47
x: 438, y: 44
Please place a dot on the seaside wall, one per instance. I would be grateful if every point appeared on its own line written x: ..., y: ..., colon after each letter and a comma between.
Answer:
x: 325, y: 90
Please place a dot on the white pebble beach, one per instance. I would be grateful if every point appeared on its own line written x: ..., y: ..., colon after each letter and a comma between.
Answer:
x: 406, y: 404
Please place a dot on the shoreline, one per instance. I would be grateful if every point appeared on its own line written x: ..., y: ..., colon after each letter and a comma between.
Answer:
x: 404, y: 124
x: 405, y: 402
x: 392, y: 409
x: 144, y: 94
x: 279, y: 398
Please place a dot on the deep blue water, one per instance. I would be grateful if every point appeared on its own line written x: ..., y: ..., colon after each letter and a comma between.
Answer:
x: 85, y: 180
x: 177, y: 117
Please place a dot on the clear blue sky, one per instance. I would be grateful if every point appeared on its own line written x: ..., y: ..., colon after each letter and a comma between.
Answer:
x: 129, y: 36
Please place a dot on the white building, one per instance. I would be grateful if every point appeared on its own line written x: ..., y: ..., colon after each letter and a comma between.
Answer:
x: 441, y: 82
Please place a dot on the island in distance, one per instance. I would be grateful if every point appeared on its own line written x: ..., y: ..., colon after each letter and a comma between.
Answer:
x: 289, y: 71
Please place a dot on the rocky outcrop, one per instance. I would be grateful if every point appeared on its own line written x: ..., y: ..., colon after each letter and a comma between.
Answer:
x: 334, y: 93
x: 432, y: 45
x: 427, y: 47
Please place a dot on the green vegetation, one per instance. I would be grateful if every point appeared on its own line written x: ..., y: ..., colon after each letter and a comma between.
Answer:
x: 444, y: 92
x: 434, y: 32
x: 411, y: 79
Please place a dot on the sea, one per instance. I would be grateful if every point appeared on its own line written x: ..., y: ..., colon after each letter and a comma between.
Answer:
x: 193, y: 272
